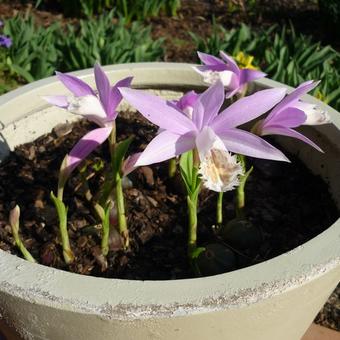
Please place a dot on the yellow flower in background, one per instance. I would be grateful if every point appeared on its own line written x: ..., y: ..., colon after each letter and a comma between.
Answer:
x: 245, y: 60
x: 319, y: 95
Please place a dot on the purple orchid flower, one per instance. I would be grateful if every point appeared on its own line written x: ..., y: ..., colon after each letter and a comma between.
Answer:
x: 207, y: 130
x: 291, y: 113
x: 100, y: 109
x: 227, y: 71
x: 186, y: 103
x: 5, y: 41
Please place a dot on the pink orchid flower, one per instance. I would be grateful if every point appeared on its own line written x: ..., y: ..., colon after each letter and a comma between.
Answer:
x: 227, y: 71
x: 100, y: 109
x: 291, y: 113
x: 213, y: 134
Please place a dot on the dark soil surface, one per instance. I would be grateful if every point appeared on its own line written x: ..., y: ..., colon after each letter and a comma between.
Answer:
x: 285, y: 202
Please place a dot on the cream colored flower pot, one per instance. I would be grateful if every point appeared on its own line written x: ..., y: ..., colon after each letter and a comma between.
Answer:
x: 273, y: 300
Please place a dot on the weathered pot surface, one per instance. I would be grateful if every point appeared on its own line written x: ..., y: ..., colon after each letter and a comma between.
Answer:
x: 276, y: 299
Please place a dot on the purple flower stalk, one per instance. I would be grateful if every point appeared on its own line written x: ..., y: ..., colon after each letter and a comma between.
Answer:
x: 227, y: 71
x: 292, y: 113
x: 212, y: 134
x: 100, y: 109
x: 5, y: 41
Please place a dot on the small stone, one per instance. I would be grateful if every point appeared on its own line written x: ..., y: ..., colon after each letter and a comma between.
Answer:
x: 31, y: 153
x: 61, y: 130
x: 134, y: 192
x: 100, y: 258
x: 241, y: 234
x: 82, y: 241
x: 152, y: 201
x: 41, y: 149
x: 39, y: 204
x: 216, y: 259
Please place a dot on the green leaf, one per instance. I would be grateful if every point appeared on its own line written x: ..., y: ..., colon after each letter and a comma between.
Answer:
x: 119, y: 154
x: 196, y: 252
x: 61, y: 209
x: 186, y: 164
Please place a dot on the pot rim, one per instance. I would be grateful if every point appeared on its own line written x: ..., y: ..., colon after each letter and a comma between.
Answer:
x: 129, y: 299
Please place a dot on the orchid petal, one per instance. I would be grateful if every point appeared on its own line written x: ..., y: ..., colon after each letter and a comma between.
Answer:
x: 129, y: 163
x: 188, y: 100
x: 198, y: 114
x: 75, y: 85
x: 164, y: 146
x: 209, y: 59
x: 116, y: 97
x: 230, y: 62
x: 229, y: 94
x: 229, y: 79
x: 60, y: 101
x: 206, y: 140
x: 86, y: 145
x: 158, y: 111
x: 247, y: 108
x: 88, y: 107
x: 212, y: 100
x: 248, y: 144
x: 204, y: 68
x: 279, y: 130
x: 315, y: 114
x: 103, y: 87
x: 294, y: 96
x: 290, y: 117
x: 248, y: 75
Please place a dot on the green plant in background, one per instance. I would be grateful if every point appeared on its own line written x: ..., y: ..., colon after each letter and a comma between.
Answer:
x: 8, y: 81
x: 286, y: 56
x: 108, y: 42
x: 129, y: 9
x: 330, y: 9
x: 143, y: 9
x: 33, y: 54
x: 36, y: 52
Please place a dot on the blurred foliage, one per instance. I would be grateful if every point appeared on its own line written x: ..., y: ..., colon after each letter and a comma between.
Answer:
x: 330, y: 10
x: 129, y: 9
x: 8, y: 81
x: 107, y: 42
x: 33, y: 54
x: 37, y: 52
x: 287, y: 57
x: 142, y: 9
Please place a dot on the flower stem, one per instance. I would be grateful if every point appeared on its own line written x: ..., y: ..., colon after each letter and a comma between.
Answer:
x: 172, y: 167
x: 192, y: 234
x: 106, y: 230
x: 219, y: 212
x: 240, y: 192
x: 112, y: 141
x: 122, y: 224
x: 192, y: 201
x: 62, y: 215
x: 119, y: 196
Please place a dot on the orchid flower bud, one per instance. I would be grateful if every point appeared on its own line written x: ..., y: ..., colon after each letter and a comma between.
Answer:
x: 14, y: 217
